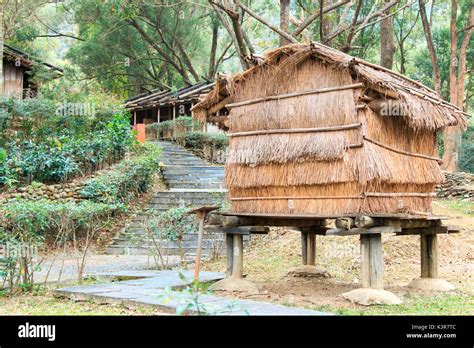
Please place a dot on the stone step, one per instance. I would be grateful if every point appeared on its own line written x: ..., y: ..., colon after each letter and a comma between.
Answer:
x: 192, y: 177
x: 188, y: 195
x: 131, y: 250
x: 214, y: 235
x: 195, y: 175
x: 163, y: 207
x: 193, y: 185
x: 148, y: 243
x: 190, y: 180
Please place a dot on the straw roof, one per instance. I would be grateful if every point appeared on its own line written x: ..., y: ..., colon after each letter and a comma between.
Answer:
x: 425, y: 109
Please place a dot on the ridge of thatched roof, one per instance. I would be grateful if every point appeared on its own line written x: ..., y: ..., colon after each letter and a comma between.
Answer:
x: 426, y: 109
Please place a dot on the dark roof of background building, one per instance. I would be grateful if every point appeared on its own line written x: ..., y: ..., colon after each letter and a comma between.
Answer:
x: 165, y: 98
x: 26, y: 60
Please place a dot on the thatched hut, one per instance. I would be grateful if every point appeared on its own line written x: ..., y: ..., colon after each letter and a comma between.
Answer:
x: 316, y: 131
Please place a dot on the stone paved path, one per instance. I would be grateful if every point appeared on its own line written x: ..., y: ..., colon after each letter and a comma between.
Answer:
x: 96, y: 264
x: 156, y: 288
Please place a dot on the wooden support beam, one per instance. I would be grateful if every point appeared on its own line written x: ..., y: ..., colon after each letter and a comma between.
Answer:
x: 311, y: 249
x: 429, y: 255
x: 238, y: 256
x: 246, y: 230
x: 429, y: 230
x: 229, y: 241
x: 376, y: 261
x: 355, y: 231
x: 372, y: 261
x: 304, y: 246
x: 174, y: 121
x: 365, y: 257
x: 234, y: 221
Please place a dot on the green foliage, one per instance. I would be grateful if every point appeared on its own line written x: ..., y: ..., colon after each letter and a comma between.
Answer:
x: 466, y: 158
x: 27, y: 224
x: 190, y: 300
x: 173, y: 224
x: 197, y: 140
x: 127, y: 179
x: 47, y: 146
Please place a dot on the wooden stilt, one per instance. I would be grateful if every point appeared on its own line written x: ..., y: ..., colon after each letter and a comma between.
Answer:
x: 201, y: 215
x: 365, y: 257
x: 174, y: 121
x: 229, y: 253
x: 311, y: 249
x: 429, y: 255
x: 376, y: 261
x: 304, y: 250
x: 372, y: 262
x: 238, y: 256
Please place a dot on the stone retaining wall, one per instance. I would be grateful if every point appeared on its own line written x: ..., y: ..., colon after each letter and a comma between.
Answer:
x: 58, y: 192
x: 458, y: 185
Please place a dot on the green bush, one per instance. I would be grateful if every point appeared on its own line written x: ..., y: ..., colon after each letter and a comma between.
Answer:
x: 65, y: 152
x: 197, y: 140
x: 182, y: 124
x: 466, y: 153
x: 127, y: 179
x: 25, y: 225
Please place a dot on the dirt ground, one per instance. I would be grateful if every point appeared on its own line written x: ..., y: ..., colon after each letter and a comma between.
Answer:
x: 268, y: 258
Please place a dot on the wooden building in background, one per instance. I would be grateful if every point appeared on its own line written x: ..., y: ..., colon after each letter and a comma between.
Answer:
x: 159, y: 106
x: 17, y: 71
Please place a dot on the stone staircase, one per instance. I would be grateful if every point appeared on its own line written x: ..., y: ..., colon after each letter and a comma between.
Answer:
x: 191, y: 182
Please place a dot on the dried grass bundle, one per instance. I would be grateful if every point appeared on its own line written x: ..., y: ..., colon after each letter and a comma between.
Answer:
x: 294, y: 147
x: 292, y: 174
x: 387, y: 166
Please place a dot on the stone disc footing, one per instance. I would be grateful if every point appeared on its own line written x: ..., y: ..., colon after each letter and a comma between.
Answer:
x: 369, y: 296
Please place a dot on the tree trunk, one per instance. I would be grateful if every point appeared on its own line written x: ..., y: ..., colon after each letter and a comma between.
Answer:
x: 429, y: 41
x: 387, y: 46
x: 1, y: 46
x: 212, y: 58
x: 284, y: 20
x: 457, y: 74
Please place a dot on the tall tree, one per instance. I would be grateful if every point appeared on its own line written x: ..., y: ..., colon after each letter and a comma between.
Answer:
x: 431, y: 49
x: 457, y: 76
x: 1, y: 45
x: 387, y: 46
x: 284, y: 20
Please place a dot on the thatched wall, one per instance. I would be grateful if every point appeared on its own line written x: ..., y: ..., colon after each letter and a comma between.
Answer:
x: 303, y: 139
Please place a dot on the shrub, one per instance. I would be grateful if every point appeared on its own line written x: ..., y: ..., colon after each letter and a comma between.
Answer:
x: 128, y: 179
x: 197, y: 140
x: 27, y: 224
x: 66, y: 153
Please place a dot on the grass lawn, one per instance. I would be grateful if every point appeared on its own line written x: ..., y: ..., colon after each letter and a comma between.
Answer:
x: 42, y: 301
x: 464, y: 207
x: 444, y: 304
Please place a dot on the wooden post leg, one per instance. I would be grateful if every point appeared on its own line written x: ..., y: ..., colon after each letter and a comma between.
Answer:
x: 376, y: 261
x: 429, y: 255
x: 201, y: 216
x: 229, y: 241
x: 365, y: 268
x: 311, y: 249
x: 372, y: 261
x: 304, y: 247
x: 238, y: 259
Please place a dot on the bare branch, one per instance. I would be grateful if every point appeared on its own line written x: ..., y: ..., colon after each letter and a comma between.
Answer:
x: 308, y: 20
x: 267, y: 24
